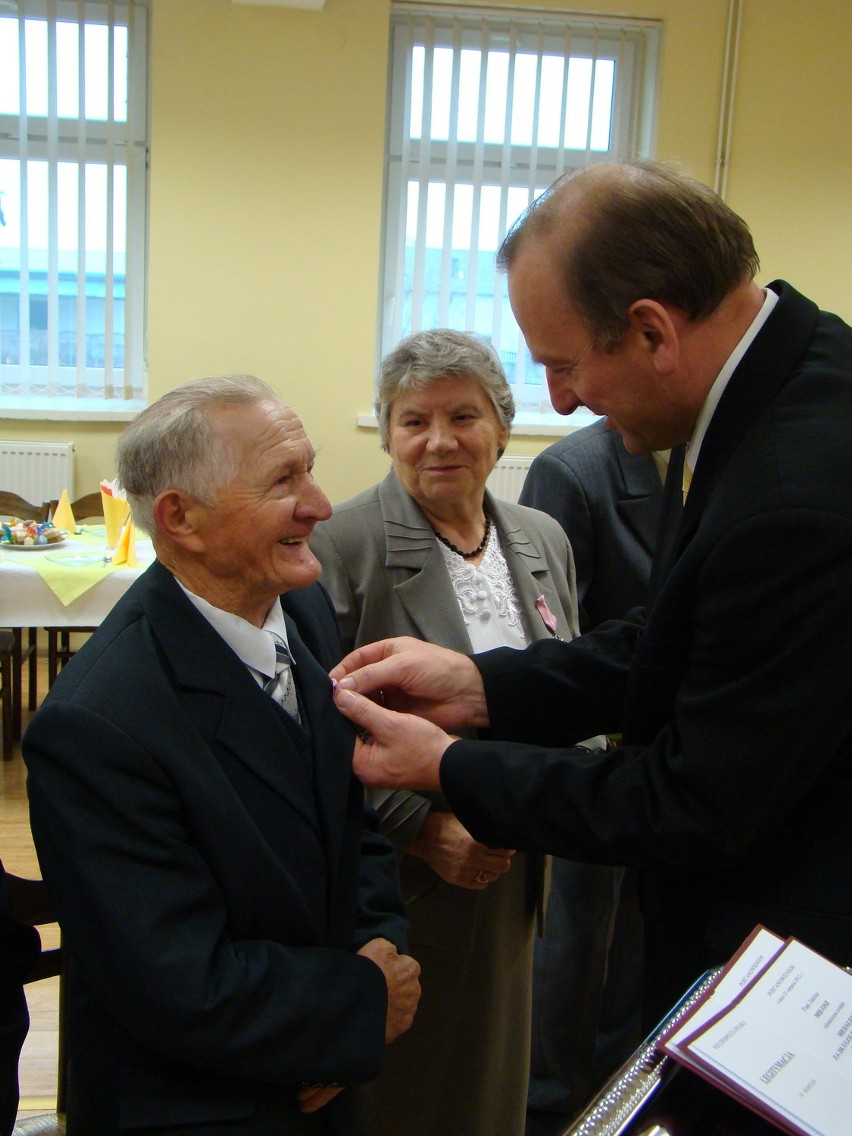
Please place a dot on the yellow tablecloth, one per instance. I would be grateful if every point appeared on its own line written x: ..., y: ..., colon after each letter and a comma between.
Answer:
x: 79, y: 564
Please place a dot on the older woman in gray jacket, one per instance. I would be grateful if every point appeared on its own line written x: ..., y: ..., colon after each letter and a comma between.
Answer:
x: 429, y: 552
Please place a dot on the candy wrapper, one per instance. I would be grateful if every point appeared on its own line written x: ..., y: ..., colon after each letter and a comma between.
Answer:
x: 29, y: 533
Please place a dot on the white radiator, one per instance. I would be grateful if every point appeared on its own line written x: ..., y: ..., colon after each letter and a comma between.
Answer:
x: 507, y: 477
x: 37, y: 471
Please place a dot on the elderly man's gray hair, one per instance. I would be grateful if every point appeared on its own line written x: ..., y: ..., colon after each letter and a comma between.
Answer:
x: 171, y: 444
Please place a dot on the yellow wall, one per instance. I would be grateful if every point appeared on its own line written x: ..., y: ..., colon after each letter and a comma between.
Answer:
x: 267, y: 131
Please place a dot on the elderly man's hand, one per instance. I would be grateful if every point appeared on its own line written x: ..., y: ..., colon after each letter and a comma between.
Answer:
x: 408, y: 675
x: 402, y: 974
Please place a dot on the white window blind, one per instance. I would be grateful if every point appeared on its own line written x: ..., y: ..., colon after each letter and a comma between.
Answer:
x: 73, y: 123
x: 486, y: 110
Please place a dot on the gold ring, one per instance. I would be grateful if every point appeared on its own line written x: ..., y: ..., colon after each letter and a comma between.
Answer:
x: 481, y: 878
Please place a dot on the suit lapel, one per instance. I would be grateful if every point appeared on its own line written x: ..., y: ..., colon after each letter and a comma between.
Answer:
x: 640, y: 481
x: 761, y: 374
x: 527, y: 567
x: 225, y: 704
x: 332, y: 742
x: 426, y: 595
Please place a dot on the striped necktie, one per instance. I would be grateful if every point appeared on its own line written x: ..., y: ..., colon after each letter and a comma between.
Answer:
x: 687, y: 480
x: 281, y: 686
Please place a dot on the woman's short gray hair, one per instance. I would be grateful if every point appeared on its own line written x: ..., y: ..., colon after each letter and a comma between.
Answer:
x: 171, y: 444
x: 427, y: 356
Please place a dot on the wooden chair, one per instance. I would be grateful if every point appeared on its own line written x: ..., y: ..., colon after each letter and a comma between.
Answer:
x: 87, y: 506
x: 7, y: 649
x: 30, y: 904
x: 59, y: 649
x: 11, y: 505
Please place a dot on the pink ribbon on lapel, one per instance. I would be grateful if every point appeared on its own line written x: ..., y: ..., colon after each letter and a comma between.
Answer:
x: 547, y: 616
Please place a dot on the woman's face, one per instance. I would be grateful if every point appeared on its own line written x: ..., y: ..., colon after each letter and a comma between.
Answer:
x: 444, y: 441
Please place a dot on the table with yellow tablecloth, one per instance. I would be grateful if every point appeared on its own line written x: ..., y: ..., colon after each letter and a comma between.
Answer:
x: 66, y: 586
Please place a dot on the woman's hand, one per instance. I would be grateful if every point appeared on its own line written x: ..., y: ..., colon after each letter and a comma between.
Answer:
x: 450, y: 851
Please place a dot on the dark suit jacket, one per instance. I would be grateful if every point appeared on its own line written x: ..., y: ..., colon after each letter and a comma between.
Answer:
x: 608, y: 502
x: 734, y: 788
x: 208, y: 864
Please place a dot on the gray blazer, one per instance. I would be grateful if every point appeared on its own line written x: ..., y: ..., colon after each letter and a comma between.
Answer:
x: 387, y: 577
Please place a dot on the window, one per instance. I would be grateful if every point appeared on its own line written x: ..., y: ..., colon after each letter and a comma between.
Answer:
x: 486, y: 110
x: 73, y: 126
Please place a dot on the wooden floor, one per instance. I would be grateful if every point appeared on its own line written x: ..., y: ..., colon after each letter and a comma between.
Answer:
x: 37, y: 1068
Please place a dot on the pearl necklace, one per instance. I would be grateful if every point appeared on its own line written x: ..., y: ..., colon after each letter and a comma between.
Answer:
x: 466, y: 555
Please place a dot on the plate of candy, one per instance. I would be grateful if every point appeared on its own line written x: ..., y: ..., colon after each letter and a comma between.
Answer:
x: 30, y: 536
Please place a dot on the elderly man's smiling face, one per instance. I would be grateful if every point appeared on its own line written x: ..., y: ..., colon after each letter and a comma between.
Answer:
x: 253, y: 545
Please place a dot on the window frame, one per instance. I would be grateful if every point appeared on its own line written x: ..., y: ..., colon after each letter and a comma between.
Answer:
x: 530, y: 168
x: 113, y: 144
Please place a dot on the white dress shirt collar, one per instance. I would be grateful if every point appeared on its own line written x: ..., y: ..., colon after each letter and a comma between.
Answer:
x: 254, y: 646
x: 724, y: 376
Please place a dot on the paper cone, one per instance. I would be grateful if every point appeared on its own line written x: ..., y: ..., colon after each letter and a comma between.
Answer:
x: 116, y: 510
x: 125, y: 550
x: 63, y: 518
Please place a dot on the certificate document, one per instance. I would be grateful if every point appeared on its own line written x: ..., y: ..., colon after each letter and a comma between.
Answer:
x: 775, y: 1032
x: 759, y: 949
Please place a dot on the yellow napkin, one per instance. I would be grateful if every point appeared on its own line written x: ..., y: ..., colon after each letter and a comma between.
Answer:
x: 125, y: 550
x: 116, y: 510
x: 63, y: 518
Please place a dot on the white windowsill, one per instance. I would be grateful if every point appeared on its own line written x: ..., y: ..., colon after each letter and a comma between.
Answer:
x: 70, y: 410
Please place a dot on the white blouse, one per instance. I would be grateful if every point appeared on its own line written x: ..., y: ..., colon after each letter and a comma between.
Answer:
x: 487, y: 597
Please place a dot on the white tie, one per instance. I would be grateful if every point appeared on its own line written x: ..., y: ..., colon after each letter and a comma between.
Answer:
x: 281, y: 686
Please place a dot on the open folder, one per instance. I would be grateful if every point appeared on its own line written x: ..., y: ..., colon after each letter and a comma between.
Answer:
x: 760, y: 1046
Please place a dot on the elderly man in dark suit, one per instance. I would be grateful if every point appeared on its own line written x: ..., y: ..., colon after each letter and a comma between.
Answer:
x: 232, y: 918
x: 732, y: 790
x: 588, y: 961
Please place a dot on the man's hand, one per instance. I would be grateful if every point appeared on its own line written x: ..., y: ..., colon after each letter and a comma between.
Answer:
x: 419, y: 678
x: 449, y: 849
x: 393, y: 751
x: 402, y: 977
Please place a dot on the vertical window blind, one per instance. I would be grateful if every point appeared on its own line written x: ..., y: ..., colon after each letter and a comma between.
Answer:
x: 73, y: 124
x: 486, y: 110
